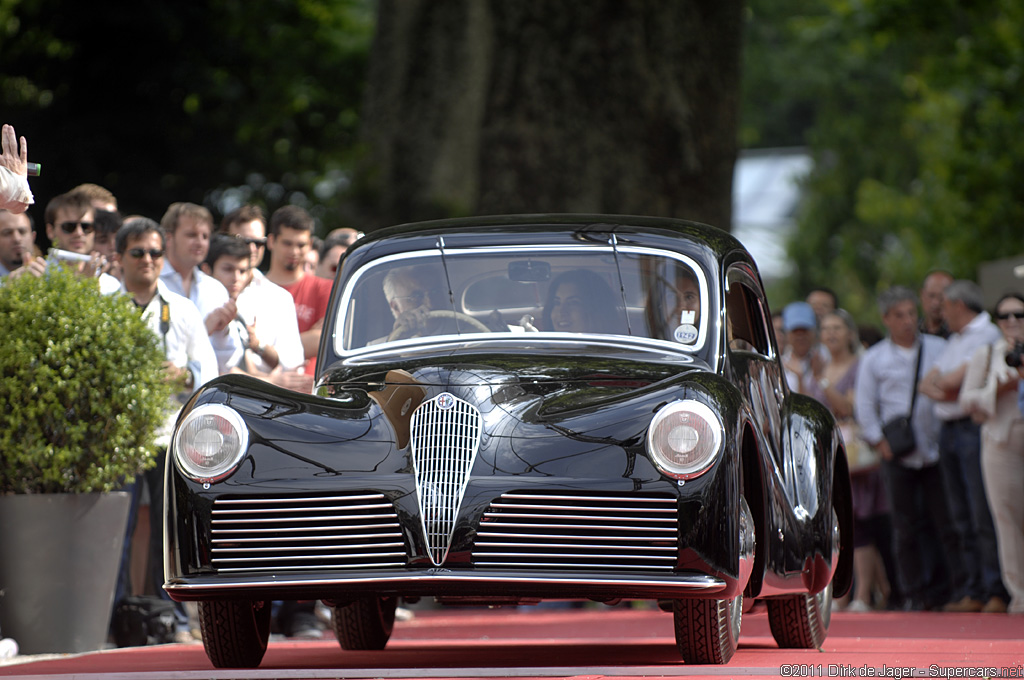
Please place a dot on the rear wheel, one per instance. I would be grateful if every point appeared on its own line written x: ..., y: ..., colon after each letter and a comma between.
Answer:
x: 708, y: 631
x: 365, y: 624
x: 235, y: 633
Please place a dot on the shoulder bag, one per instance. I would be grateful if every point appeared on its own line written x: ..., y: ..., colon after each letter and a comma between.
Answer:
x: 899, y: 432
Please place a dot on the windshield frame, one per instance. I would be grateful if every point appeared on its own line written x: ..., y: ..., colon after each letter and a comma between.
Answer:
x: 706, y: 336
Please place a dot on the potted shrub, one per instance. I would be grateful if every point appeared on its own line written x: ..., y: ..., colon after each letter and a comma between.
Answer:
x: 82, y: 393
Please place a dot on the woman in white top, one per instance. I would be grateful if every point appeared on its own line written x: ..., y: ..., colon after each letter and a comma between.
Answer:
x: 989, y: 393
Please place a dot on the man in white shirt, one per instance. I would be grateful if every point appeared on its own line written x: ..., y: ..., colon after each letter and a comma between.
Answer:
x: 275, y: 305
x: 190, y: 362
x: 266, y: 321
x: 187, y: 228
x: 970, y: 328
x: 886, y: 375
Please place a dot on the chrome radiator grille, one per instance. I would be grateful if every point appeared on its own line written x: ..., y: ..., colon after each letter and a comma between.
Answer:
x: 321, y: 532
x: 445, y: 436
x: 578, y: 531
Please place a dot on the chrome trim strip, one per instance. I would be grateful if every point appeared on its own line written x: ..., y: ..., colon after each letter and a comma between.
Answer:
x: 609, y: 567
x: 326, y: 518
x: 310, y: 558
x: 484, y: 557
x: 295, y: 508
x: 315, y: 552
x: 303, y: 499
x: 340, y: 565
x: 700, y: 582
x: 286, y: 530
x: 604, y: 521
x: 500, y: 503
x: 564, y: 537
x: 583, y: 497
x: 310, y: 537
x: 704, y: 332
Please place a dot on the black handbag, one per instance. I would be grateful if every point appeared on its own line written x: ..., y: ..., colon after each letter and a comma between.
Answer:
x: 899, y: 432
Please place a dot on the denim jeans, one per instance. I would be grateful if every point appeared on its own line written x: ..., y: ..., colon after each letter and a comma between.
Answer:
x: 977, y: 552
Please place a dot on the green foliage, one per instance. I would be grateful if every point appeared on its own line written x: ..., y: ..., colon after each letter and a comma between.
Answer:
x: 913, y: 111
x: 214, y: 102
x: 917, y: 143
x: 82, y: 387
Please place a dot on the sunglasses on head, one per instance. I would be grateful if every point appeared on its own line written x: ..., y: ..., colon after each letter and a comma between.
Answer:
x: 251, y: 241
x: 69, y: 227
x: 1003, y: 316
x: 139, y: 253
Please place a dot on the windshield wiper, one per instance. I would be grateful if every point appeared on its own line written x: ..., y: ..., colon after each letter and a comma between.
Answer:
x: 622, y: 288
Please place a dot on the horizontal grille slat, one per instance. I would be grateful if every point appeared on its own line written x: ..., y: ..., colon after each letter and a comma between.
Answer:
x: 608, y: 518
x: 578, y: 532
x: 328, y: 532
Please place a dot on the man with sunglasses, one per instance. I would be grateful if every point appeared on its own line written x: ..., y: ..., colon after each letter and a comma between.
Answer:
x: 71, y: 228
x: 970, y: 328
x: 190, y: 362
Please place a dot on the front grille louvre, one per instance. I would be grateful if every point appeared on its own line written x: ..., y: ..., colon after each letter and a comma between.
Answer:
x: 578, y: 531
x: 445, y: 437
x: 320, y: 532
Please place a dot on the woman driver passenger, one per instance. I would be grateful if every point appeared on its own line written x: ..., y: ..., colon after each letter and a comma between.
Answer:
x: 580, y: 301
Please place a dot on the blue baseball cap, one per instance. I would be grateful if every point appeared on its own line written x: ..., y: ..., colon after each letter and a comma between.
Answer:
x: 798, y: 315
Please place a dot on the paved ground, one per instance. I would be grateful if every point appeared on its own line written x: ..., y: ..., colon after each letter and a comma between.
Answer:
x: 592, y: 643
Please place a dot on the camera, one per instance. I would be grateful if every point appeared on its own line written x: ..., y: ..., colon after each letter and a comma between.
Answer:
x: 1015, y: 357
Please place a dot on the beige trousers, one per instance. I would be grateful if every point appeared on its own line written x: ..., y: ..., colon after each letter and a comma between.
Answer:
x: 1002, y: 468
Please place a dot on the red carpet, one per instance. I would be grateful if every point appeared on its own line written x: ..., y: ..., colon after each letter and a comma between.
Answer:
x: 591, y: 643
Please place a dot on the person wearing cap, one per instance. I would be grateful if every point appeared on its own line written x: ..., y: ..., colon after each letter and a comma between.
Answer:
x: 801, y: 356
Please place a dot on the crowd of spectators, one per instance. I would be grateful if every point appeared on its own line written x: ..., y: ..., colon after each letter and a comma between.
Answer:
x: 939, y: 520
x: 200, y: 288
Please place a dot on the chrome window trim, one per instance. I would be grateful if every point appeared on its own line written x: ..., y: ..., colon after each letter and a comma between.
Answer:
x: 704, y: 337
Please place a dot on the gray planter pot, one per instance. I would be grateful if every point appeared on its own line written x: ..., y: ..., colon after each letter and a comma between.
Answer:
x: 59, y: 557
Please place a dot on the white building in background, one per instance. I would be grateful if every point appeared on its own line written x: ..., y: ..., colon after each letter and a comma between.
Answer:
x: 766, y: 195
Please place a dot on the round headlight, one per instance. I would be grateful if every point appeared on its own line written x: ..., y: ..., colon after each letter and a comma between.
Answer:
x: 684, y: 439
x: 210, y: 442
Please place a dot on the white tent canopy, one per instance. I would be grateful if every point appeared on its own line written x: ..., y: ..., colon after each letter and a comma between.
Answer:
x: 766, y: 196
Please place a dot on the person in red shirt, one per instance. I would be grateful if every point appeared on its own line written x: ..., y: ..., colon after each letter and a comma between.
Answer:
x: 291, y: 234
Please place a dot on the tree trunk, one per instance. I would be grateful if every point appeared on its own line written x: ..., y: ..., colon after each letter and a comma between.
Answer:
x: 503, y: 106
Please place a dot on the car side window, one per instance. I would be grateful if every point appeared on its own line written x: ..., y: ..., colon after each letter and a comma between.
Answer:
x: 747, y: 318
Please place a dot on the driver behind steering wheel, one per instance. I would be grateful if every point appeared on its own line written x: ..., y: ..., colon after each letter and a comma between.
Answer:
x: 412, y: 293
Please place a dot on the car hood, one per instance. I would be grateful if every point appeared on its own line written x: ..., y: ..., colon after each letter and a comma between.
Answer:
x: 538, y: 386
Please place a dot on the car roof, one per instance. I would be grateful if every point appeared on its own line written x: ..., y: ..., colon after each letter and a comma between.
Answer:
x: 709, y: 243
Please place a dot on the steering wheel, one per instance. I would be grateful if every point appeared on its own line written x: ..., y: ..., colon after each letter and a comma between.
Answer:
x: 398, y: 333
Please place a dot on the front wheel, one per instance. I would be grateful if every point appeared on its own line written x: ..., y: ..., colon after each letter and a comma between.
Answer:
x: 801, y: 621
x: 708, y: 631
x: 235, y: 633
x: 365, y: 624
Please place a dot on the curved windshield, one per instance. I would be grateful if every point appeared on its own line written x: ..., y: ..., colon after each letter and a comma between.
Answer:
x: 566, y: 291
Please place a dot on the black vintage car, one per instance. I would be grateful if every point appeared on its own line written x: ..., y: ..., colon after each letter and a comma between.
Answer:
x: 513, y: 409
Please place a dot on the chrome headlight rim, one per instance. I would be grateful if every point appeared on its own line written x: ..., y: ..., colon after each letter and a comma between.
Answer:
x: 714, y: 426
x: 226, y: 467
